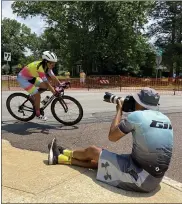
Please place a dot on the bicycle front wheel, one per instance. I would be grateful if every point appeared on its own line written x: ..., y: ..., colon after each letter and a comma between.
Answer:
x: 20, y: 107
x: 70, y: 113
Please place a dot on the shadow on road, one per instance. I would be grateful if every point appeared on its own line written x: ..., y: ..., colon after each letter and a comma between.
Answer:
x: 27, y: 128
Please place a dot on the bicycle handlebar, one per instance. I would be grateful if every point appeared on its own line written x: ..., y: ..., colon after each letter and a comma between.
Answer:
x: 64, y: 85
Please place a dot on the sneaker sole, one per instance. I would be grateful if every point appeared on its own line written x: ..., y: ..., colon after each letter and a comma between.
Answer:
x: 40, y: 119
x: 51, y: 156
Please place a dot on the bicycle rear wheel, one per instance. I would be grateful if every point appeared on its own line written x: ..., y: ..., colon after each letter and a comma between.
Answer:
x: 72, y: 115
x: 18, y: 109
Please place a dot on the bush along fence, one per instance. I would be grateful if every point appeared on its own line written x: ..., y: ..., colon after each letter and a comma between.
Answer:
x: 112, y: 82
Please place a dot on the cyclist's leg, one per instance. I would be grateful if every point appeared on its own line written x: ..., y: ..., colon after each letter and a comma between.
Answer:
x: 29, y: 86
x: 37, y: 106
x: 39, y: 84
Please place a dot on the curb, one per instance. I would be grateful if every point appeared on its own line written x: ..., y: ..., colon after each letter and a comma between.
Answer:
x: 174, y: 184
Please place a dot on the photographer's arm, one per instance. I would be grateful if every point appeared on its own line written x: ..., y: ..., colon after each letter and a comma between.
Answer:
x: 115, y: 133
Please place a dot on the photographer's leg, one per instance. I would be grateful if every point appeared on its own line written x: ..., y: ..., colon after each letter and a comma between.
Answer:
x: 86, y: 164
x: 89, y: 153
x: 87, y: 157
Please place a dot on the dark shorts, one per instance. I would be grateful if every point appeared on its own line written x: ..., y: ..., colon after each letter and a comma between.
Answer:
x: 121, y: 171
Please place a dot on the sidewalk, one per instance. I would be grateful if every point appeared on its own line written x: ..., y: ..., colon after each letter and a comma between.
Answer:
x: 26, y: 178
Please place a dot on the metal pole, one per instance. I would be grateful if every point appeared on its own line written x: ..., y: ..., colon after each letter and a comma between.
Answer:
x: 88, y: 79
x: 7, y: 66
x: 8, y: 83
x: 120, y: 82
x: 156, y: 74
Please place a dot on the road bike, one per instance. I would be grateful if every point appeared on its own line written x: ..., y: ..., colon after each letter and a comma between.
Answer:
x: 21, y: 106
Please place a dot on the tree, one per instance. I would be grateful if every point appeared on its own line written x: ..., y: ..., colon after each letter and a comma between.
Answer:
x: 168, y: 31
x: 23, y: 61
x: 102, y: 34
x: 15, y: 38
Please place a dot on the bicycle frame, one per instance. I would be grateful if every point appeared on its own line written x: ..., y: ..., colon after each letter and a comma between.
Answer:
x: 21, y: 108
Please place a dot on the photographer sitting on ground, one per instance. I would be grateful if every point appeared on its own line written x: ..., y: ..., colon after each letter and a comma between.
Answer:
x: 144, y: 168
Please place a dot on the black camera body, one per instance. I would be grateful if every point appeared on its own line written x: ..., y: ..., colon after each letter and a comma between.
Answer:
x: 128, y: 103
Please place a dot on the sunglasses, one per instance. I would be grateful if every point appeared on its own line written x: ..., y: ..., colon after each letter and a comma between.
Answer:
x: 52, y: 64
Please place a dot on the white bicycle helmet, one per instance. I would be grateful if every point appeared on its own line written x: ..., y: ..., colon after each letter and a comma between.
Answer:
x: 49, y: 56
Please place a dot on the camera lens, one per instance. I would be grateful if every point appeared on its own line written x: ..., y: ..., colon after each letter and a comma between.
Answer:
x: 111, y: 98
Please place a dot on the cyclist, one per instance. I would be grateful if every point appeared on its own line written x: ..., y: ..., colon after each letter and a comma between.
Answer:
x: 38, y: 75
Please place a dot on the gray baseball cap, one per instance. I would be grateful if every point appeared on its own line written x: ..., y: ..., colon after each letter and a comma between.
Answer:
x: 148, y: 98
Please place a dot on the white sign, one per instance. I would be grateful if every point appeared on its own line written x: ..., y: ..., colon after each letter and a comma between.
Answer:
x: 161, y: 67
x: 7, y: 56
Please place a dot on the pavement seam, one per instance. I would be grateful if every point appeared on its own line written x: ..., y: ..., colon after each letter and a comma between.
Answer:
x: 172, y: 183
x: 19, y: 190
x: 66, y: 180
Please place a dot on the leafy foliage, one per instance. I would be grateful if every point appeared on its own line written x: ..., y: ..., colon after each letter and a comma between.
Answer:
x: 15, y: 38
x: 102, y: 35
x: 168, y: 31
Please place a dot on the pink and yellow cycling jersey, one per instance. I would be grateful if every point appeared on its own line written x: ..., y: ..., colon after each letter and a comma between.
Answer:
x: 31, y: 71
x: 31, y: 76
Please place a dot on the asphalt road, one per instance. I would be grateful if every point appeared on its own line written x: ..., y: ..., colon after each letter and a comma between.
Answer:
x: 92, y: 130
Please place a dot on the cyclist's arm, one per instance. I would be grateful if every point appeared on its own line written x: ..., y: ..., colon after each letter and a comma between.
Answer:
x: 42, y: 75
x: 53, y: 77
x: 50, y: 87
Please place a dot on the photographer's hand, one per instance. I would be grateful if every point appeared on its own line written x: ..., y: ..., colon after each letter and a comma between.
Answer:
x: 119, y: 107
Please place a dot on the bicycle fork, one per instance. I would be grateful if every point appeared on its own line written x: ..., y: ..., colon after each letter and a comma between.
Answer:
x: 61, y: 101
